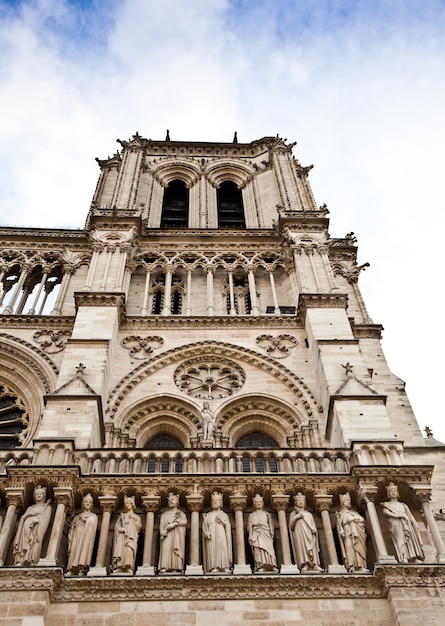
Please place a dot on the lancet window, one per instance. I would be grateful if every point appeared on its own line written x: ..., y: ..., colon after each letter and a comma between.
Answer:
x: 167, y: 295
x: 175, y: 206
x: 230, y: 206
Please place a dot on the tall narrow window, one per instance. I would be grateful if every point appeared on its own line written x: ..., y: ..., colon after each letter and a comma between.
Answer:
x: 230, y: 206
x: 175, y: 207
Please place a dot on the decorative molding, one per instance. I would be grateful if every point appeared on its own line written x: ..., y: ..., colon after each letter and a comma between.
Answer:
x: 208, y: 379
x: 277, y: 347
x: 52, y: 340
x: 141, y: 347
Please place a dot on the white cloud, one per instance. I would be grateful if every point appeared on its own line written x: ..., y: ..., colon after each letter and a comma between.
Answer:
x: 359, y: 85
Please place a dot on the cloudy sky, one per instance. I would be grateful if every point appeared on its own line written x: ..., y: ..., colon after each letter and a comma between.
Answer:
x: 359, y: 84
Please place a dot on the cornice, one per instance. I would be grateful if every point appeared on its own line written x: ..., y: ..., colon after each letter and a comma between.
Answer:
x: 182, y: 322
x: 38, y: 322
x: 46, y: 233
x: 402, y: 473
x: 101, y: 299
x: 130, y: 588
x: 367, y: 331
x: 230, y: 234
x: 320, y: 301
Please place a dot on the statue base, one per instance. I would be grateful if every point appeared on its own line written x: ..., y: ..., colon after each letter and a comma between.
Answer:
x: 97, y: 571
x: 194, y: 570
x: 145, y: 570
x: 242, y: 570
x: 289, y: 569
x: 333, y: 569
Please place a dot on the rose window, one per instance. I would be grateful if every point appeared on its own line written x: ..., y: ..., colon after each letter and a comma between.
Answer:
x: 209, y: 379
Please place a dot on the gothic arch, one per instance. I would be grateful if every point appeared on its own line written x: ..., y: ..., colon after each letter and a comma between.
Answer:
x: 305, y: 403
x: 233, y: 170
x: 264, y: 414
x: 189, y: 173
x: 28, y: 372
x: 144, y: 420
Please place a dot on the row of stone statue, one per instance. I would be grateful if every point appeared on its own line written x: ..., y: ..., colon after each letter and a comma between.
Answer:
x: 216, y: 535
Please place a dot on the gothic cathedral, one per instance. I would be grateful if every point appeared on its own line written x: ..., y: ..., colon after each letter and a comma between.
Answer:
x: 197, y: 421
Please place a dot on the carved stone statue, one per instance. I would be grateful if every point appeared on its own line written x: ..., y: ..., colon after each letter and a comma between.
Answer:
x: 403, y: 527
x: 352, y: 536
x: 81, y: 537
x: 304, y: 536
x: 208, y: 422
x: 172, y: 529
x: 31, y: 530
x: 217, y: 538
x: 126, y: 533
x: 261, y: 532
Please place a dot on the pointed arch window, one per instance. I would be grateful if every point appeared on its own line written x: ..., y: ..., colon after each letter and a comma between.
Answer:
x: 230, y: 206
x: 175, y: 206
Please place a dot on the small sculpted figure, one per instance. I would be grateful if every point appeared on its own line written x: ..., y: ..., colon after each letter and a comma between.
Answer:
x: 126, y: 533
x: 304, y: 536
x: 403, y: 527
x: 81, y: 537
x: 352, y: 535
x: 208, y: 422
x: 172, y: 529
x: 261, y: 532
x: 31, y: 530
x: 217, y: 538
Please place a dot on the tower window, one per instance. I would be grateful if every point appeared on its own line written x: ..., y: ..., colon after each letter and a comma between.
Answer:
x: 175, y: 207
x: 230, y: 206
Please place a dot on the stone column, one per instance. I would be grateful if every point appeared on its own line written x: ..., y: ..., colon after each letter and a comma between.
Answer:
x: 367, y: 493
x: 252, y: 291
x: 210, y: 300
x: 68, y: 271
x: 151, y: 505
x: 424, y: 498
x: 32, y: 310
x: 167, y: 290
x: 109, y: 253
x: 274, y: 293
x: 194, y: 503
x: 63, y: 497
x: 280, y: 503
x: 15, y: 499
x: 188, y: 309
x: 314, y: 270
x: 301, y: 274
x: 9, y: 310
x: 238, y: 504
x: 323, y: 504
x: 108, y: 504
x: 146, y: 292
x: 231, y: 294
x: 328, y: 268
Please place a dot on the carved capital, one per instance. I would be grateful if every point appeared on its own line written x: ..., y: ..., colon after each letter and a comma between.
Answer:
x: 150, y: 503
x: 63, y: 495
x: 238, y: 502
x: 280, y: 501
x: 107, y: 503
x: 323, y: 502
x: 15, y: 497
x: 194, y: 502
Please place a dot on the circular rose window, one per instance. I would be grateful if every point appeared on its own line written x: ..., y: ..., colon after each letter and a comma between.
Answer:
x: 209, y: 379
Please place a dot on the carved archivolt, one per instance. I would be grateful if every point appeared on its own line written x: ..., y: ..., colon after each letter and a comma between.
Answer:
x: 26, y: 368
x: 305, y: 403
x: 145, y: 420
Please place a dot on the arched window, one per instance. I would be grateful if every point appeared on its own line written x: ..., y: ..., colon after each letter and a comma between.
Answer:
x: 164, y: 441
x: 230, y: 206
x: 14, y: 420
x: 176, y: 295
x: 175, y: 207
x: 255, y: 441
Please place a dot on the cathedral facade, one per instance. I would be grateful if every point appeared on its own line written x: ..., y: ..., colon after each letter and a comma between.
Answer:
x: 197, y: 421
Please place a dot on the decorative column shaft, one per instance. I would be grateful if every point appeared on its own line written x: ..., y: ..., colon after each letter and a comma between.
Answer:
x: 274, y: 293
x: 238, y: 504
x: 368, y: 494
x: 424, y: 498
x: 280, y: 503
x: 32, y: 310
x: 301, y: 274
x: 194, y: 503
x: 108, y: 504
x: 63, y: 497
x: 103, y: 283
x: 314, y: 271
x: 231, y: 295
x: 210, y: 302
x: 252, y: 291
x: 323, y: 504
x: 146, y: 292
x: 15, y: 499
x: 9, y: 310
x: 91, y: 270
x: 57, y: 310
x: 167, y: 291
x: 188, y: 309
x: 151, y: 505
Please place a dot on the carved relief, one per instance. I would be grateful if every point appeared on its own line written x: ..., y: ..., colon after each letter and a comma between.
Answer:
x: 51, y: 340
x: 141, y: 347
x: 277, y: 347
x: 206, y: 378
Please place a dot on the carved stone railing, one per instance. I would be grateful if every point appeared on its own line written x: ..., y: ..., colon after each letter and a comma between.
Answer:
x: 15, y: 458
x: 378, y: 453
x: 213, y: 461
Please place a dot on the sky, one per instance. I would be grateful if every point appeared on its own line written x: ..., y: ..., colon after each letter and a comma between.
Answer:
x: 359, y: 84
